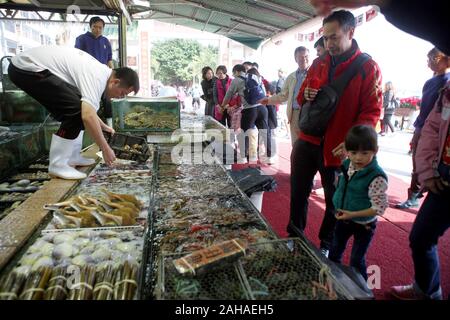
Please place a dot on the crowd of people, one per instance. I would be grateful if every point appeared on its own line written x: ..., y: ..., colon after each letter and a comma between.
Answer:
x: 333, y: 107
x: 346, y: 85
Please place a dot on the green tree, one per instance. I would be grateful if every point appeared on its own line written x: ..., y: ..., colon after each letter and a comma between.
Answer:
x: 179, y: 61
x: 208, y: 57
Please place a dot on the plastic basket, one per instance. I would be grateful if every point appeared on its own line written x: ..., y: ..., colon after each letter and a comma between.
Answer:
x: 270, y: 270
x: 274, y: 272
x: 128, y: 147
x: 222, y: 284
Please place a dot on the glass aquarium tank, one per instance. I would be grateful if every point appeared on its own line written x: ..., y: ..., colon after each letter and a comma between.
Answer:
x: 141, y: 115
x: 19, y: 107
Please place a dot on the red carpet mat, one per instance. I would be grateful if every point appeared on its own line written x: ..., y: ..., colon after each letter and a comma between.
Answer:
x: 390, y: 247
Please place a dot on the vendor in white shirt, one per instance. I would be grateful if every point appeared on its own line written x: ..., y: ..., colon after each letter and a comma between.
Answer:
x: 69, y: 83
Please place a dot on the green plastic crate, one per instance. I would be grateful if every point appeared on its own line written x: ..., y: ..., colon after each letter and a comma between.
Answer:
x: 139, y: 115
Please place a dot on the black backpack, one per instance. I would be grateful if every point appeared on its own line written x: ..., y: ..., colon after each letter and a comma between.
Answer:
x: 253, y: 91
x: 315, y: 115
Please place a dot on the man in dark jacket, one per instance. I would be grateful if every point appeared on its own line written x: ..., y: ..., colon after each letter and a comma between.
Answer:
x: 360, y: 103
x: 98, y: 46
x: 94, y: 43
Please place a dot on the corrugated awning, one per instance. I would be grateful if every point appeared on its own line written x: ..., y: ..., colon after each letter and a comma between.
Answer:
x: 68, y: 6
x: 246, y: 21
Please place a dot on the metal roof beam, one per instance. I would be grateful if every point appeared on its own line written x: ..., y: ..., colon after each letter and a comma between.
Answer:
x: 251, y: 25
x: 211, y: 13
x: 284, y: 8
x: 57, y: 8
x: 212, y: 24
x: 41, y: 18
x: 267, y: 10
x: 234, y: 15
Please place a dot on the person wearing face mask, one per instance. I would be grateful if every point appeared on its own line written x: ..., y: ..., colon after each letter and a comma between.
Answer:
x: 69, y: 83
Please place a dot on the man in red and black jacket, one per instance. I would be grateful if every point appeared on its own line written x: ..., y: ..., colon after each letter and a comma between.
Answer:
x: 360, y: 103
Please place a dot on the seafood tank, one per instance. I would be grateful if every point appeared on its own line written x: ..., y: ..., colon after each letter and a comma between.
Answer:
x: 21, y: 184
x: 117, y: 234
x: 196, y: 206
x: 138, y: 115
x: 91, y: 249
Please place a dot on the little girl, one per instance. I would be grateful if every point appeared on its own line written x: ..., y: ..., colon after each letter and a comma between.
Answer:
x: 359, y: 198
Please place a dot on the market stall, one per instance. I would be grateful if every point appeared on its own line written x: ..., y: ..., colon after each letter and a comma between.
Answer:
x: 116, y: 234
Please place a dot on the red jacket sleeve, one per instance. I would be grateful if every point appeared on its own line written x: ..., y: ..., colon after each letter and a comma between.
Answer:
x: 317, y: 71
x: 371, y: 96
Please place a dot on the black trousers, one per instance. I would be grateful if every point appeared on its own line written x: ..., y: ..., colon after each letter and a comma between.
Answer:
x: 258, y: 116
x: 60, y: 98
x: 387, y: 123
x: 306, y: 160
x: 226, y: 119
x: 272, y: 116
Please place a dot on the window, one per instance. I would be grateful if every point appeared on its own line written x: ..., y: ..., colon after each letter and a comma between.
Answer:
x: 26, y: 32
x: 11, y: 47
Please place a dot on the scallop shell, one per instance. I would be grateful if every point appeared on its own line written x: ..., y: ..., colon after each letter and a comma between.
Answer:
x: 101, y: 254
x: 62, y: 250
x: 81, y: 260
x: 63, y: 238
x: 30, y: 259
x: 42, y: 262
x: 88, y: 249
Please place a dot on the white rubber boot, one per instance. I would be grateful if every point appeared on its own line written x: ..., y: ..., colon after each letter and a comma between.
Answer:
x: 60, y: 151
x: 76, y: 159
x: 252, y: 145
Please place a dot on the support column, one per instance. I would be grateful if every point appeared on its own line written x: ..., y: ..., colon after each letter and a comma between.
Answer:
x: 122, y: 40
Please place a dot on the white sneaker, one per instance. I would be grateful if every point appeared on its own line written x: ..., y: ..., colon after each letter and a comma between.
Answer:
x: 60, y: 151
x: 325, y: 252
x: 76, y: 159
x: 269, y: 160
x: 253, y: 159
x: 290, y: 245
